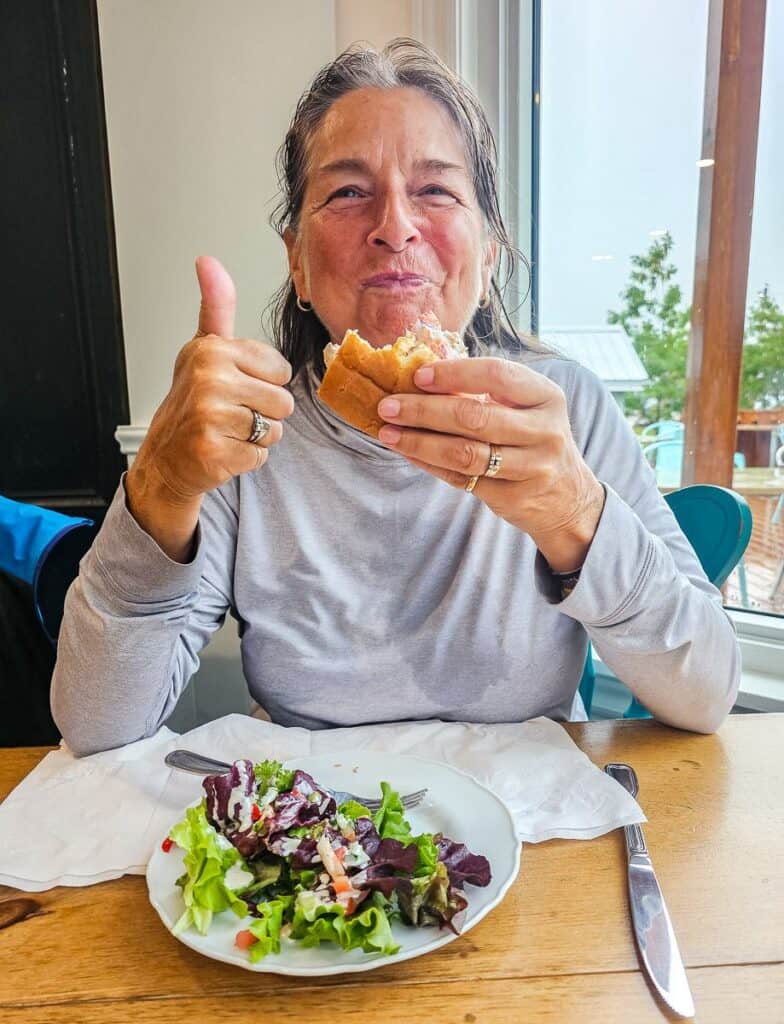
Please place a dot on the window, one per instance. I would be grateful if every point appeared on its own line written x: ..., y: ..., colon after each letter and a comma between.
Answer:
x: 620, y: 164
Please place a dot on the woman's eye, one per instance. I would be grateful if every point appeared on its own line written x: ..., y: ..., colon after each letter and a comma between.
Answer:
x: 348, y: 192
x: 438, y: 192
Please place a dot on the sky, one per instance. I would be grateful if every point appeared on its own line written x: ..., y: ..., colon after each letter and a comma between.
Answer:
x: 621, y: 129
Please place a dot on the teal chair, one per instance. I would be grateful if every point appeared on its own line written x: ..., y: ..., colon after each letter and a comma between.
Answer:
x: 717, y: 524
x: 666, y: 459
x: 662, y: 430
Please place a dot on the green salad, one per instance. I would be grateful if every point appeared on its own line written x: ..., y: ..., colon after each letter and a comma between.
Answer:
x: 272, y: 845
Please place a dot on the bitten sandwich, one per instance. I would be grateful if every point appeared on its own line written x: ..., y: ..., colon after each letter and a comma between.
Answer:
x: 358, y: 375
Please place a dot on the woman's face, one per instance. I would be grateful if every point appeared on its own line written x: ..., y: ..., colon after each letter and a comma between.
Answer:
x: 390, y: 226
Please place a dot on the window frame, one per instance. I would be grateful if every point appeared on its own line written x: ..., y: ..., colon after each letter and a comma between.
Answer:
x: 476, y: 43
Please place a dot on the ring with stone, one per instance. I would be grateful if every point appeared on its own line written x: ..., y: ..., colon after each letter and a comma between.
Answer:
x: 260, y: 427
x: 494, y: 462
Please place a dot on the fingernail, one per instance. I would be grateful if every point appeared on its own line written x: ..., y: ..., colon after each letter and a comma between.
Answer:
x: 389, y: 435
x: 389, y: 407
x: 425, y: 375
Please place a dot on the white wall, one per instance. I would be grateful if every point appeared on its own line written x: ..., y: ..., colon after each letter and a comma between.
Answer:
x: 198, y: 98
x: 375, y: 23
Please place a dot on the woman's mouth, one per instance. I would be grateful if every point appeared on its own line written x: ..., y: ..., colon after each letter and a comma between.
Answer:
x: 395, y: 281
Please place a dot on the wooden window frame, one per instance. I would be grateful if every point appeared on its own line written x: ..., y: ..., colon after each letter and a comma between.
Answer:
x: 733, y: 81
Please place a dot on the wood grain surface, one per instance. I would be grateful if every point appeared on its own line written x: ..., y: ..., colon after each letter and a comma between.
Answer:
x: 560, y: 947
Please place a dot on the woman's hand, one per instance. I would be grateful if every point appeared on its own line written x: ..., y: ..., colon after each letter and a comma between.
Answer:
x: 198, y: 438
x: 543, y: 486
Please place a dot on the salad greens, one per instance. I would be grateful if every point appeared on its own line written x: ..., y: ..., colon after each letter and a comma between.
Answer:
x: 270, y: 843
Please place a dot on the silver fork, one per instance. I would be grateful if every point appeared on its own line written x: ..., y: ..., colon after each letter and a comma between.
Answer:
x: 198, y: 764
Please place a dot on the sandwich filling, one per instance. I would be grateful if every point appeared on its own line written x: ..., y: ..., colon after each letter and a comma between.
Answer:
x: 426, y: 331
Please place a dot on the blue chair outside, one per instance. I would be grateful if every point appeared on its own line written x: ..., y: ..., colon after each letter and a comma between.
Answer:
x: 662, y: 430
x: 717, y: 523
x: 667, y: 460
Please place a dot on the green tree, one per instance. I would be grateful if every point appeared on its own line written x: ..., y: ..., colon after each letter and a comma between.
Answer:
x: 762, y: 373
x: 654, y: 317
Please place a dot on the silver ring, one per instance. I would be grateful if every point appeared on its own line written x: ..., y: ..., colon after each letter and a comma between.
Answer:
x: 260, y: 428
x: 494, y: 463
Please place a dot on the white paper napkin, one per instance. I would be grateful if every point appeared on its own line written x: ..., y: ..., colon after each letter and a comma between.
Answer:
x: 79, y: 821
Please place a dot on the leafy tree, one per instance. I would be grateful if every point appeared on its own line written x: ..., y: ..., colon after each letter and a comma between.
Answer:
x: 654, y: 317
x: 762, y: 374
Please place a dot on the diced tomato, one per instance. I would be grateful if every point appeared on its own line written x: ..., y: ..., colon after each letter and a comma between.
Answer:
x: 244, y: 939
x: 340, y: 852
x: 167, y: 844
x: 350, y: 906
x: 295, y: 792
x: 255, y: 812
x: 341, y: 884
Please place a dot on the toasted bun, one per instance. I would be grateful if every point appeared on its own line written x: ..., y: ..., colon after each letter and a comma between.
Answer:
x: 358, y: 376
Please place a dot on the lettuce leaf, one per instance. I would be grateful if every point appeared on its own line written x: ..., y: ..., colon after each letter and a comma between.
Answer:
x: 369, y: 929
x: 389, y: 819
x: 427, y: 855
x: 462, y: 865
x: 206, y: 862
x: 430, y: 900
x: 267, y: 928
x: 272, y: 774
x: 353, y: 809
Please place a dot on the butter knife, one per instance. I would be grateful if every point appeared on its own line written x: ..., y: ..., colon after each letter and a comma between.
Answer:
x: 652, y: 926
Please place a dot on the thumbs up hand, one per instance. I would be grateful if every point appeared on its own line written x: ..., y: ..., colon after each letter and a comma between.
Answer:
x: 199, y: 436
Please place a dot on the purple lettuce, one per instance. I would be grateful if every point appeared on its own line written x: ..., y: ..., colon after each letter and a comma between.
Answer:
x: 384, y: 852
x: 230, y: 798
x: 462, y: 865
x: 305, y: 804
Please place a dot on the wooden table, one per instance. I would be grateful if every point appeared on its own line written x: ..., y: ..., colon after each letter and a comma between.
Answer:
x: 758, y: 482
x: 558, y: 949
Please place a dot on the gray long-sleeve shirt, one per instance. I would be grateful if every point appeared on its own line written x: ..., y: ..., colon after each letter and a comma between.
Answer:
x: 367, y: 590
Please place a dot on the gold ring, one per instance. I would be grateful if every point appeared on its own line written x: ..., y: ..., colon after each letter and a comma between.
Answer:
x: 494, y: 462
x: 471, y: 483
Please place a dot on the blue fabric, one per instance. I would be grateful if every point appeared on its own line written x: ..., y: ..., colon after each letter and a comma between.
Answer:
x: 28, y: 537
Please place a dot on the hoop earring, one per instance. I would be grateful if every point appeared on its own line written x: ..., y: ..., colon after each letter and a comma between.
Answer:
x: 304, y: 307
x: 484, y: 302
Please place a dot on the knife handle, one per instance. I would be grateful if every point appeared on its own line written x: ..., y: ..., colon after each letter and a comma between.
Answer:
x: 626, y: 776
x: 635, y: 840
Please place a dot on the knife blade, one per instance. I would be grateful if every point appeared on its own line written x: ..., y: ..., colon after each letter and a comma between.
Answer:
x: 652, y: 925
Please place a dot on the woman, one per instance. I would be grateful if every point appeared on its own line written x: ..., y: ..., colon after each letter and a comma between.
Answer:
x: 368, y: 584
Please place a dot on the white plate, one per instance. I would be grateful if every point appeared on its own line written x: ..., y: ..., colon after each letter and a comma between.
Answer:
x: 456, y: 804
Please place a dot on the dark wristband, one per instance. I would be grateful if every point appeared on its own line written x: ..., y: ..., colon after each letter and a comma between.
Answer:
x: 567, y: 581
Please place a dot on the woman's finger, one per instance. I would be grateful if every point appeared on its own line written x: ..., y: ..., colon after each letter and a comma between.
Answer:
x: 237, y: 421
x: 270, y: 400
x: 467, y: 417
x: 505, y: 381
x: 483, y: 488
x: 259, y: 359
x: 462, y: 456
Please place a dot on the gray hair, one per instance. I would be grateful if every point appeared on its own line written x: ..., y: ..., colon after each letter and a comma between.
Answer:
x: 300, y: 336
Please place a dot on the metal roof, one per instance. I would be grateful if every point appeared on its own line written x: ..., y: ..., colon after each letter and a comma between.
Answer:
x: 608, y: 351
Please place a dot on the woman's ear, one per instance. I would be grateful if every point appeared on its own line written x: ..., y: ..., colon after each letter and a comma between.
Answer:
x: 489, y: 260
x: 296, y: 269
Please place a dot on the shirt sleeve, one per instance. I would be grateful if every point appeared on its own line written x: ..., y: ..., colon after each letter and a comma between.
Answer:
x: 133, y: 625
x: 642, y: 596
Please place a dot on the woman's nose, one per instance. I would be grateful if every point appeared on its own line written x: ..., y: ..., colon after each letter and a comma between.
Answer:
x: 395, y: 227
